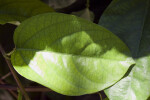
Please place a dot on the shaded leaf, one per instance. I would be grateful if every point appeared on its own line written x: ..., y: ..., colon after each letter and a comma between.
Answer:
x: 15, y: 11
x: 130, y: 20
x: 68, y: 54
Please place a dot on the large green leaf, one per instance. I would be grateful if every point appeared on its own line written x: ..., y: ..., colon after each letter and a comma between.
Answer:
x: 15, y: 11
x: 68, y: 54
x: 130, y: 20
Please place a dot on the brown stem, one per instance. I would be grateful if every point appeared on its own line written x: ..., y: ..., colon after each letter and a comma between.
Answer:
x: 5, y: 76
x: 9, y: 90
x: 14, y: 74
x: 28, y: 89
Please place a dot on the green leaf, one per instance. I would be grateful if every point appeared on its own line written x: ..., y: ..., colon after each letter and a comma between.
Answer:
x: 15, y: 11
x: 130, y: 20
x: 68, y: 54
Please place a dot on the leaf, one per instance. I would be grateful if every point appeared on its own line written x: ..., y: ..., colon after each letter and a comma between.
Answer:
x: 68, y: 54
x: 130, y: 20
x: 15, y: 11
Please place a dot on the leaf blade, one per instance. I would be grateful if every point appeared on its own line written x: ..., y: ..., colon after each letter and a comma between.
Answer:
x: 19, y: 10
x: 69, y: 46
x: 130, y: 21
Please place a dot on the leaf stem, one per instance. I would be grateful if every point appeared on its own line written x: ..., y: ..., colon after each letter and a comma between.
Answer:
x: 14, y: 74
x: 87, y: 3
x: 100, y: 96
x: 5, y: 76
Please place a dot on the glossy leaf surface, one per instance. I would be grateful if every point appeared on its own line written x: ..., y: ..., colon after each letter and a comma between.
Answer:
x: 15, y: 11
x: 130, y: 20
x: 68, y: 54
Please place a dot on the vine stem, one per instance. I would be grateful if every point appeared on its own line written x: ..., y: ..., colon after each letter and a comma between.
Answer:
x: 9, y: 90
x: 14, y: 74
x: 100, y: 96
x: 88, y: 3
x: 5, y: 76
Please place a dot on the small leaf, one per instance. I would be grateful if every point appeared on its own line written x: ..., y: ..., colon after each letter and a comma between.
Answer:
x: 15, y: 11
x: 68, y: 54
x: 130, y: 20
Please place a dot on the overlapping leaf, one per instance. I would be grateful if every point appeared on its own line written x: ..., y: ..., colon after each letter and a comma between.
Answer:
x: 15, y: 11
x: 68, y: 54
x: 130, y: 20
